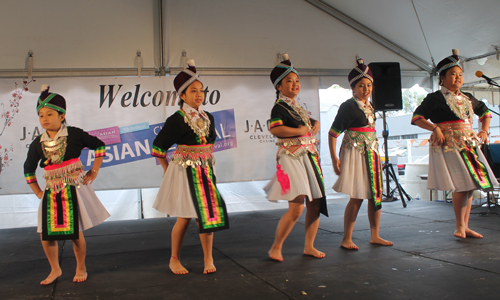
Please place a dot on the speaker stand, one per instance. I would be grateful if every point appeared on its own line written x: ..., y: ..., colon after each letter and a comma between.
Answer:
x: 389, y: 172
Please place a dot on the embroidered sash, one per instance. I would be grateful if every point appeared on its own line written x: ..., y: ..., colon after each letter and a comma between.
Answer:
x: 375, y: 174
x: 361, y: 138
x: 297, y: 146
x: 458, y: 135
x: 60, y: 214
x: 209, y: 205
x: 194, y: 155
x: 314, y: 159
x: 476, y: 168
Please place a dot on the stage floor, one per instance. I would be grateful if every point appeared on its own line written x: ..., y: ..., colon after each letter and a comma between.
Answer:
x: 129, y: 260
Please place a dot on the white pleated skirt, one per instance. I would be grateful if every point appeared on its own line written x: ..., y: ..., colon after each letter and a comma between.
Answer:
x: 302, y: 178
x: 354, y: 177
x: 448, y: 171
x: 91, y: 212
x: 174, y: 196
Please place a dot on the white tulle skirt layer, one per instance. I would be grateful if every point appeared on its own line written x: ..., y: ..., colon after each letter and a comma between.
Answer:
x: 174, y: 196
x: 354, y: 179
x: 448, y: 171
x: 91, y: 212
x: 302, y: 178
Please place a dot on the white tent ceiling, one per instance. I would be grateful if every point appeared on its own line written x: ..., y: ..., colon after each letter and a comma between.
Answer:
x: 93, y: 38
x: 470, y: 26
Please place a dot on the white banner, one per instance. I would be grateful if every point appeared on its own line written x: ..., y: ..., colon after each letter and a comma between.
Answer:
x: 127, y: 113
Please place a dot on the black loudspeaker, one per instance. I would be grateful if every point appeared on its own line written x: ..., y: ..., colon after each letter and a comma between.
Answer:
x: 386, y: 93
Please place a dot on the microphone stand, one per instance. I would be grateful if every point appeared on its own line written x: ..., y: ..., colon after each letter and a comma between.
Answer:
x: 494, y: 112
x: 389, y: 172
x: 491, y: 82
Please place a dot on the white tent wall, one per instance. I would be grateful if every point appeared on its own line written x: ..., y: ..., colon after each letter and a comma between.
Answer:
x: 249, y: 34
x: 101, y: 38
x: 68, y: 36
x: 77, y: 34
x: 462, y: 24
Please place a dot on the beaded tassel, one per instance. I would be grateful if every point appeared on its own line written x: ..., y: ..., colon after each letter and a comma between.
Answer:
x: 283, y: 180
x: 58, y: 178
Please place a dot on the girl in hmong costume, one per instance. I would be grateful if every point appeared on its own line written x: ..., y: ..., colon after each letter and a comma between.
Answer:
x: 188, y: 189
x: 455, y: 158
x: 299, y: 177
x: 69, y: 204
x: 359, y: 164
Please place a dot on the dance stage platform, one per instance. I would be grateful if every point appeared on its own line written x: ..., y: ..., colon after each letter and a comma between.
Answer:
x: 129, y: 260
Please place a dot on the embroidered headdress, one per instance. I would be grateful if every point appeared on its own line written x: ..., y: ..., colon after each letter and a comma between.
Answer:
x: 359, y: 72
x: 282, y: 69
x: 186, y: 77
x: 51, y: 100
x: 449, y: 62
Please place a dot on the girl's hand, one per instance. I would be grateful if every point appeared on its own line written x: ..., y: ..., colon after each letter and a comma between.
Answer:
x: 39, y: 194
x: 303, y: 130
x: 483, y: 136
x: 437, y: 137
x: 336, y: 165
x: 90, y: 176
x: 315, y: 129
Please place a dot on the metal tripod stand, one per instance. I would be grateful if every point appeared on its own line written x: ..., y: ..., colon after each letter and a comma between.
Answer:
x: 389, y: 172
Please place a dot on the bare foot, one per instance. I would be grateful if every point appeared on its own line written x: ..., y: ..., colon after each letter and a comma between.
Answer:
x: 52, y: 276
x: 176, y: 267
x: 472, y: 233
x: 348, y: 245
x: 381, y: 241
x: 275, y: 254
x: 80, y: 276
x: 209, y: 267
x: 459, y: 234
x: 314, y: 252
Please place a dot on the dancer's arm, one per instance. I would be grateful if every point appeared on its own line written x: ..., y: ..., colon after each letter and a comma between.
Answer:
x: 164, y: 163
x: 92, y: 173
x: 332, y: 142
x: 485, y: 127
x: 437, y: 137
x: 285, y: 131
x: 36, y: 189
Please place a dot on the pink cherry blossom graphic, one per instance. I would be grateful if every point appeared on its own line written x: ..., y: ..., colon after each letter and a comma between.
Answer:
x: 9, y: 110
